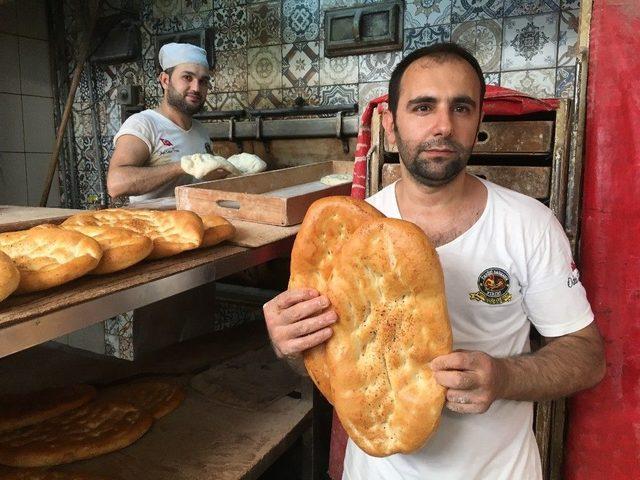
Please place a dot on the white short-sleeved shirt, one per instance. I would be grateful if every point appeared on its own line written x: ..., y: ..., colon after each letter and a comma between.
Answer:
x: 167, y: 143
x: 511, y: 269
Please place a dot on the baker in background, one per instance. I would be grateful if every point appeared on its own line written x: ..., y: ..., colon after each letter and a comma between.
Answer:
x: 507, y: 267
x: 146, y: 162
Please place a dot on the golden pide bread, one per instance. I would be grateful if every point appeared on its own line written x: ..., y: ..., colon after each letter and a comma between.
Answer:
x: 327, y: 225
x: 121, y: 247
x: 48, y: 257
x: 387, y: 287
x: 216, y: 229
x: 9, y: 276
x: 171, y: 231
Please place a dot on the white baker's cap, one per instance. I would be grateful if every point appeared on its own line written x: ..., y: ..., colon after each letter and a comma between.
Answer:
x: 173, y: 54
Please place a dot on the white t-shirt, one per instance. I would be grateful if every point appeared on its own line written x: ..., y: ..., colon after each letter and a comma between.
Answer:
x: 167, y: 143
x: 511, y: 269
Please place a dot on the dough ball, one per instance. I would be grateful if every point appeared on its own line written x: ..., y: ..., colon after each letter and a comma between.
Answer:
x: 247, y: 163
x: 337, y: 179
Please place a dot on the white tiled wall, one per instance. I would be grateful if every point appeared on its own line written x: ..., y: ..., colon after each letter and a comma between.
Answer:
x: 26, y: 104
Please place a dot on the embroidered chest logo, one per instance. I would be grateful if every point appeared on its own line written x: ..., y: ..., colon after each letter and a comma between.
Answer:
x: 494, y: 287
x: 166, y: 142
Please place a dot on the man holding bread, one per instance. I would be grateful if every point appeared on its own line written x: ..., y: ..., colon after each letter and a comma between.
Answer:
x: 146, y: 162
x: 507, y: 266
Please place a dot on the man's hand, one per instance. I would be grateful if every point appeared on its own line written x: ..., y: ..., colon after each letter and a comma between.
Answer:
x: 474, y: 380
x: 298, y: 320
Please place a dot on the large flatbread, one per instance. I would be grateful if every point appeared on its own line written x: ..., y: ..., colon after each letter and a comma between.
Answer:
x: 94, y: 429
x: 327, y: 225
x: 387, y: 288
x: 155, y: 397
x: 9, y: 276
x: 18, y: 411
x: 216, y: 229
x: 48, y: 257
x: 172, y: 231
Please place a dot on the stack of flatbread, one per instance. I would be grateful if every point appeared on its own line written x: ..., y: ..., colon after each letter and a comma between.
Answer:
x: 100, y: 242
x: 385, y: 283
x: 62, y: 425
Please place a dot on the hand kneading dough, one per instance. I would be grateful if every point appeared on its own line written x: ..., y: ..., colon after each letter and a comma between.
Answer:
x: 337, y: 179
x: 200, y: 164
x: 9, y: 276
x: 387, y: 287
x: 48, y: 257
x: 327, y: 225
x: 216, y: 230
x: 172, y: 231
x: 247, y: 163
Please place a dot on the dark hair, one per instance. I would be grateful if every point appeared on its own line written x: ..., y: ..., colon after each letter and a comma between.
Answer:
x: 439, y: 51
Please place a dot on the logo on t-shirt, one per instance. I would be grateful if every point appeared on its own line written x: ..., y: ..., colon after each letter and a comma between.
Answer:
x: 493, y: 284
x: 574, y: 278
x: 166, y: 142
x: 207, y: 148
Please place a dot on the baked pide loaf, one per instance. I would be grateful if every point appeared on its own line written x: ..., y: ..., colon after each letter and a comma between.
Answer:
x: 155, y: 397
x: 27, y: 409
x: 328, y: 224
x: 387, y: 288
x: 172, y: 231
x: 9, y: 276
x: 216, y: 229
x: 94, y: 429
x: 48, y: 257
x: 121, y: 248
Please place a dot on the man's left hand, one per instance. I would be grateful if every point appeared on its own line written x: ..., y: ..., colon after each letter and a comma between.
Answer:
x: 473, y: 379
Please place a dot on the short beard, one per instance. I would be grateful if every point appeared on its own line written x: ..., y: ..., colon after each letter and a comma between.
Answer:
x: 433, y: 172
x: 177, y: 101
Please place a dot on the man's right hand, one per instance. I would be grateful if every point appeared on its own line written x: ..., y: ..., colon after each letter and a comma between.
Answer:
x: 298, y: 320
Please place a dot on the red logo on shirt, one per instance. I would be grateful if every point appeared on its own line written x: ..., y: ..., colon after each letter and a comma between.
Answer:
x: 166, y: 143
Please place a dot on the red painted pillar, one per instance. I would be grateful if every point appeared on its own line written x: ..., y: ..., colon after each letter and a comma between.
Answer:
x: 604, y: 423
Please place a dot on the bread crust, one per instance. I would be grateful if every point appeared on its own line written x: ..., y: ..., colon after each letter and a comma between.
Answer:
x: 48, y: 257
x: 9, y: 276
x: 172, y: 231
x: 327, y: 225
x: 86, y: 432
x: 155, y: 397
x: 216, y: 229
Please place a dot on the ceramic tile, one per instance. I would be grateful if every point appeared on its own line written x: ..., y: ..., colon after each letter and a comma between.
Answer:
x: 569, y: 4
x: 210, y: 102
x: 32, y: 19
x: 565, y: 82
x: 568, y: 37
x: 8, y: 17
x: 310, y: 95
x: 300, y: 64
x: 415, y: 38
x: 338, y: 70
x: 265, y: 99
x: 538, y: 83
x: 513, y: 8
x: 488, y: 49
x: 11, y: 123
x: 230, y: 74
x: 465, y: 10
x: 419, y: 13
x: 10, y: 61
x: 35, y: 76
x: 369, y: 91
x: 263, y: 21
x: 165, y: 8
x: 37, y: 170
x: 377, y: 67
x: 195, y: 21
x: 265, y: 68
x: 13, y: 178
x: 300, y: 20
x: 196, y: 6
x: 530, y: 42
x: 492, y: 78
x: 338, y: 94
x: 229, y: 3
x: 232, y: 101
x: 230, y: 27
